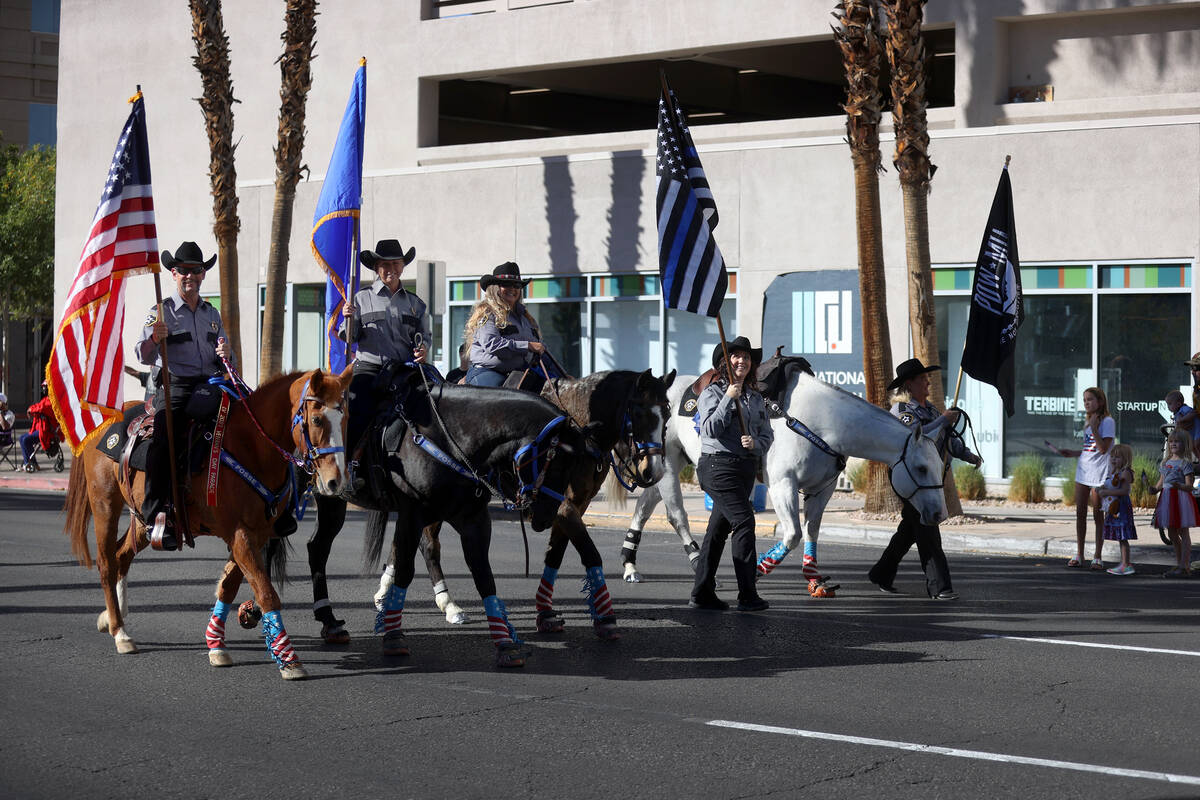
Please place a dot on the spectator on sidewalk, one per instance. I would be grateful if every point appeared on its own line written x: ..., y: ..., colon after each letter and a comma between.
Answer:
x: 1184, y: 417
x: 1176, y: 508
x: 7, y: 419
x: 1099, y: 430
x: 1118, y: 508
x: 913, y: 408
x: 40, y: 430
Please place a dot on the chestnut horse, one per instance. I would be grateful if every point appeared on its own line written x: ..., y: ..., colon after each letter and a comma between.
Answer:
x: 297, y: 412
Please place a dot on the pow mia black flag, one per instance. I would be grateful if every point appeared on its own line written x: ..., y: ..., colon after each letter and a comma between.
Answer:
x: 996, y: 308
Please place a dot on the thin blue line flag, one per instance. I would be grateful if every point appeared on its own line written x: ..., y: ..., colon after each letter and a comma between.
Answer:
x: 336, y: 217
x: 689, y: 261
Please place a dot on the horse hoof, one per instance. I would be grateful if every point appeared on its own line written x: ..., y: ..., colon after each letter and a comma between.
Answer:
x: 607, y: 631
x: 219, y: 657
x: 459, y: 618
x: 335, y: 635
x: 510, y: 655
x: 394, y: 644
x: 249, y: 615
x: 293, y: 671
x: 550, y: 622
x: 126, y: 647
x: 633, y: 577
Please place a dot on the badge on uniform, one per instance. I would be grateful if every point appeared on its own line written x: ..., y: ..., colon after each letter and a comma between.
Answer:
x: 213, y: 324
x: 908, y: 418
x: 150, y: 320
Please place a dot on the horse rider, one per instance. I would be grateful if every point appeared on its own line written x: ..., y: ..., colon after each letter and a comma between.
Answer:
x: 503, y: 335
x: 913, y: 408
x: 390, y: 327
x: 196, y: 343
x: 730, y: 453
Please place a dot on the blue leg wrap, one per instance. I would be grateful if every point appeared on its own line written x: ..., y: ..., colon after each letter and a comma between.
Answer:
x: 278, y: 644
x: 810, y: 549
x: 599, y: 602
x: 777, y: 553
x: 221, y: 610
x: 497, y: 613
x: 392, y: 601
x: 550, y: 575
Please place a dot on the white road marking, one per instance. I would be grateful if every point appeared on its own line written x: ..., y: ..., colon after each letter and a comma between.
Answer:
x: 981, y: 755
x: 1094, y: 644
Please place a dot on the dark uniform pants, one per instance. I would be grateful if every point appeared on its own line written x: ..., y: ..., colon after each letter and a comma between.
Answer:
x: 928, y: 539
x: 362, y: 403
x: 158, y: 459
x: 729, y: 481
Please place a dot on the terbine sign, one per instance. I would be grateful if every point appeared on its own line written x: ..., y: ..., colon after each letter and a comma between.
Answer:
x: 816, y: 315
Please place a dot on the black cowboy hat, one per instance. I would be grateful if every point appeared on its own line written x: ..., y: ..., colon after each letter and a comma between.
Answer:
x: 187, y: 253
x: 507, y: 274
x: 739, y: 343
x: 909, y: 370
x: 1193, y: 362
x: 386, y: 250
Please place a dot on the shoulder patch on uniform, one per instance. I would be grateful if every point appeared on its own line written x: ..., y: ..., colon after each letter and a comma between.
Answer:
x: 690, y: 405
x: 908, y: 418
x: 213, y: 325
x: 150, y: 319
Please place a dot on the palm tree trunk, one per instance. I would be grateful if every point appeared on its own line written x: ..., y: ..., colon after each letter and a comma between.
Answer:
x: 296, y: 79
x: 862, y: 54
x: 212, y: 62
x: 909, y: 61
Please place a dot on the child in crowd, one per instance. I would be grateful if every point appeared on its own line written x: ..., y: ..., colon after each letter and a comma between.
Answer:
x: 1118, y: 509
x: 1184, y: 416
x: 1176, y: 510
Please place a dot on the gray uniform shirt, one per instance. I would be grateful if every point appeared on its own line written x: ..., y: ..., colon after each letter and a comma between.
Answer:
x: 191, y: 338
x: 504, y: 348
x: 932, y: 422
x: 720, y: 431
x: 388, y: 324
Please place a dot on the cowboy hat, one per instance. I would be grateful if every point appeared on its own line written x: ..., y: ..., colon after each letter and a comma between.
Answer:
x: 740, y: 343
x: 1193, y: 362
x: 386, y: 250
x: 907, y: 370
x: 507, y: 274
x: 187, y: 253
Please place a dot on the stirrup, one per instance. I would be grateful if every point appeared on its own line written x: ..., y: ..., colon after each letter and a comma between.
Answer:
x: 162, y: 535
x: 357, y: 482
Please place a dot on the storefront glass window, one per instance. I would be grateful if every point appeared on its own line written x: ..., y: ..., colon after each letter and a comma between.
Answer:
x: 625, y: 335
x: 690, y: 338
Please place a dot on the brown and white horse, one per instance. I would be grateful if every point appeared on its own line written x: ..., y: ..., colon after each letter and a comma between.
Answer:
x: 299, y: 412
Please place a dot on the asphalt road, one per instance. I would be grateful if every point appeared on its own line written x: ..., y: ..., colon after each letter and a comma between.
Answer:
x: 865, y: 695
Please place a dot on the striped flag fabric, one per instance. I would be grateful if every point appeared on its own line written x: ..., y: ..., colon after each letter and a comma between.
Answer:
x: 335, y: 220
x: 689, y: 261
x: 85, y: 374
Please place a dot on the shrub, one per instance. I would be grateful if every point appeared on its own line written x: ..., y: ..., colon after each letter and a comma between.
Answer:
x: 1028, y: 482
x: 1068, y: 484
x: 687, y: 474
x: 1145, y: 475
x: 970, y: 482
x: 856, y: 472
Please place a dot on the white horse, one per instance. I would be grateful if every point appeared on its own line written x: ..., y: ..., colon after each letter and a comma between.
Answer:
x: 845, y: 423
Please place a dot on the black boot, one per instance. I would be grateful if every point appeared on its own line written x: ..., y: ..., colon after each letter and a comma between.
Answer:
x: 285, y: 524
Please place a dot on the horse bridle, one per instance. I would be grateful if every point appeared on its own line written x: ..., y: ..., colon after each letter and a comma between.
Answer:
x: 917, y: 485
x: 311, y: 453
x: 625, y: 468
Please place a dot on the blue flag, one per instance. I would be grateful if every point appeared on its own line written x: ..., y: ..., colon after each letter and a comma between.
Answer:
x: 336, y: 219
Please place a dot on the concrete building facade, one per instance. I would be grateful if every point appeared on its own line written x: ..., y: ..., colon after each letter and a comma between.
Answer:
x: 524, y: 130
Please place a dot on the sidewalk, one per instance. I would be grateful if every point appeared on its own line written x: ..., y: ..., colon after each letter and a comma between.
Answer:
x: 984, y: 528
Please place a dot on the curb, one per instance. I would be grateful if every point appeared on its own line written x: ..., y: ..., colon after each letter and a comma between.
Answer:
x: 34, y: 484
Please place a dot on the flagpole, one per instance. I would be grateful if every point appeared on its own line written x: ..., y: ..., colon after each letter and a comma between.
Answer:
x: 958, y: 383
x: 729, y: 374
x: 166, y: 385
x: 356, y: 238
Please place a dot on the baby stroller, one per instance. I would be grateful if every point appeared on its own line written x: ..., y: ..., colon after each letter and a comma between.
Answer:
x: 48, y: 444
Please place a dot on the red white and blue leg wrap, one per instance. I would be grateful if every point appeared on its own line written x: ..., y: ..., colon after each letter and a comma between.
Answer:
x: 544, y: 600
x: 391, y: 611
x: 214, y: 636
x: 278, y: 643
x: 599, y: 602
x: 499, y: 628
x: 810, y: 562
x: 772, y: 558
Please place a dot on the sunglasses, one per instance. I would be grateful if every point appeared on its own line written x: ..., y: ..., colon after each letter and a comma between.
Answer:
x: 197, y: 270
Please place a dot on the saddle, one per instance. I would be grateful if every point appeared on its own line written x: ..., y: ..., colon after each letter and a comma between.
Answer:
x: 774, y: 373
x: 687, y: 403
x: 528, y: 380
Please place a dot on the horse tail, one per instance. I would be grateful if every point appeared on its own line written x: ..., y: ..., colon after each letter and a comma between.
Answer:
x: 376, y: 526
x: 614, y: 491
x: 276, y: 558
x: 79, y: 512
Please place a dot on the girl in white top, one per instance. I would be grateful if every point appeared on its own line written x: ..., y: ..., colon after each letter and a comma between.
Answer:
x: 1099, y: 430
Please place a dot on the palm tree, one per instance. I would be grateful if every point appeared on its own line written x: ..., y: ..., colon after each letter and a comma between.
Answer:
x: 212, y: 62
x: 300, y: 26
x: 909, y: 63
x: 862, y: 56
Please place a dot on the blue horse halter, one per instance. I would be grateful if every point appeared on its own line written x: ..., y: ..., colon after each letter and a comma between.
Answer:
x: 311, y: 454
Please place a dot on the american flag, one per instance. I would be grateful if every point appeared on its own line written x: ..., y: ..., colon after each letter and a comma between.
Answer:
x: 689, y: 261
x: 84, y: 376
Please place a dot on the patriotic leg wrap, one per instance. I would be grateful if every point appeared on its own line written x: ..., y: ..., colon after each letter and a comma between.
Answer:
x: 214, y: 636
x: 544, y: 600
x: 391, y: 610
x: 810, y: 562
x: 499, y: 628
x: 278, y: 643
x: 599, y: 601
x: 772, y: 558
